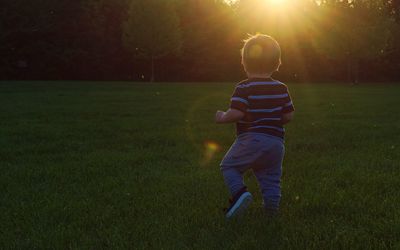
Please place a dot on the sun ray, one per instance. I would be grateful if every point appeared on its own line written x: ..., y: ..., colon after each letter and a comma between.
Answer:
x: 278, y: 2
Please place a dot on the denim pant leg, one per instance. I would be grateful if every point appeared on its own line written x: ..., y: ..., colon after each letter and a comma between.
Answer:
x: 233, y: 178
x: 262, y: 153
x: 236, y: 161
x: 268, y: 173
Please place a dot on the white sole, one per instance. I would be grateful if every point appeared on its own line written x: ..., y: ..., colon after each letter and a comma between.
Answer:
x: 240, y: 206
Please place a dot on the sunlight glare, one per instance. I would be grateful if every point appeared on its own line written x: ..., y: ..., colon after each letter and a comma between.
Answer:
x: 273, y: 2
x: 278, y: 2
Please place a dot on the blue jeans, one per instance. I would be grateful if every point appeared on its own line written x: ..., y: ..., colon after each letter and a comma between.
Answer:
x: 264, y: 155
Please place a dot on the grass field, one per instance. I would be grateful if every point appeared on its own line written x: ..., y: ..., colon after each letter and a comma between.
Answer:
x: 121, y: 165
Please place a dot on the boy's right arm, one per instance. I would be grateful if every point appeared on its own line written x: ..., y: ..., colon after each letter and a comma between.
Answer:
x: 237, y: 108
x: 232, y: 115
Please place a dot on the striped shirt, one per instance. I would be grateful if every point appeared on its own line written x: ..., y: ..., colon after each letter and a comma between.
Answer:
x: 263, y: 100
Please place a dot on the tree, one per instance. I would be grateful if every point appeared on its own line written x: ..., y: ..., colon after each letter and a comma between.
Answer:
x: 394, y: 9
x: 26, y: 41
x: 357, y: 30
x: 101, y: 20
x: 152, y: 30
x: 211, y: 40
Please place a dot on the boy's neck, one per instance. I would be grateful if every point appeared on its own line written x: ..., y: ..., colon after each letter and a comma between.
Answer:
x: 250, y: 75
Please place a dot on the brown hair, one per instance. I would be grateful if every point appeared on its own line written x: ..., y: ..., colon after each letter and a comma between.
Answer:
x: 261, y: 54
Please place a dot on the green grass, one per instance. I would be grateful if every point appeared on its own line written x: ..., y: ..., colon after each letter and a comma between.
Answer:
x: 122, y: 165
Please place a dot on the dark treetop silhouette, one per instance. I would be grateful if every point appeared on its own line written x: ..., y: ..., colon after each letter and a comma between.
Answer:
x: 197, y: 40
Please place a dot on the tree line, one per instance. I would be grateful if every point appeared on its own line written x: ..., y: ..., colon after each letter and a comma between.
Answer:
x: 197, y: 40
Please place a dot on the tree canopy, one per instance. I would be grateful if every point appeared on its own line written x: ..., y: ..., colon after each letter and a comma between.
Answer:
x: 152, y: 30
x: 321, y: 40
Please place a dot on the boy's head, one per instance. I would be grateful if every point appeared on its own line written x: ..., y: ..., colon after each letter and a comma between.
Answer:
x: 261, y: 54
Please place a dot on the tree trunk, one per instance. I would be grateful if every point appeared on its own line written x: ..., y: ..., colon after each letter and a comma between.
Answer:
x: 355, y: 71
x: 152, y: 69
x: 349, y: 70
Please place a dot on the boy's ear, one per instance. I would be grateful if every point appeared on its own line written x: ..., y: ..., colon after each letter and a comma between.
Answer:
x: 279, y: 65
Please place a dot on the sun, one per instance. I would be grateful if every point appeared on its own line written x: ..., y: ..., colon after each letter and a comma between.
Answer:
x: 277, y: 2
x: 273, y: 2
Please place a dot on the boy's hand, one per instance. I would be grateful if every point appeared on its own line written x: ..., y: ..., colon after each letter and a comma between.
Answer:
x: 232, y: 115
x: 218, y: 116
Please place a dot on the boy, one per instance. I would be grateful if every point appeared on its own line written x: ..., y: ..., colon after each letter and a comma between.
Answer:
x: 260, y: 106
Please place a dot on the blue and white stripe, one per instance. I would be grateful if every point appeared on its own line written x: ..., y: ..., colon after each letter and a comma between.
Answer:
x: 261, y: 97
x: 264, y: 110
x: 269, y: 127
x: 261, y: 120
x: 240, y: 100
x: 288, y: 104
x: 258, y: 84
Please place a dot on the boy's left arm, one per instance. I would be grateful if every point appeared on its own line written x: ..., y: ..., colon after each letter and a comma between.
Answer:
x: 231, y: 115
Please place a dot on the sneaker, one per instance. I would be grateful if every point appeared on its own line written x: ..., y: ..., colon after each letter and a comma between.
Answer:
x: 239, y: 203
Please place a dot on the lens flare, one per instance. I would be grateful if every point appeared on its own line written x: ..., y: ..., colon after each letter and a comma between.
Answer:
x: 255, y: 51
x: 210, y: 148
x: 194, y: 124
